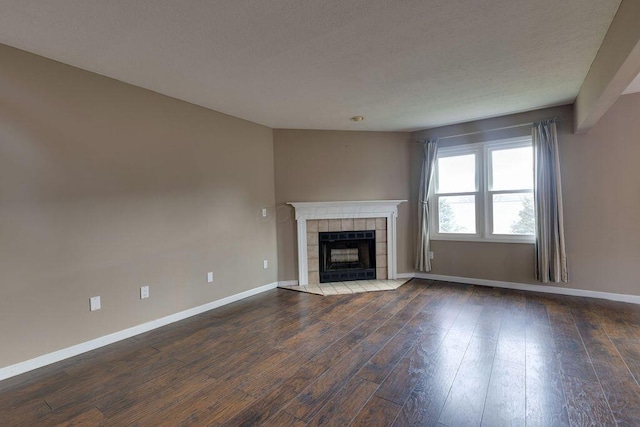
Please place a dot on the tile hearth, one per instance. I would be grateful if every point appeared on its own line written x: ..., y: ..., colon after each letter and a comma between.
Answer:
x: 352, y: 287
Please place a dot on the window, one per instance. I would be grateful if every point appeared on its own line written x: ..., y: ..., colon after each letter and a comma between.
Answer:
x: 484, y: 192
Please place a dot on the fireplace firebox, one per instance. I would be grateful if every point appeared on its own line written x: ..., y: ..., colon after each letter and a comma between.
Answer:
x: 347, y: 255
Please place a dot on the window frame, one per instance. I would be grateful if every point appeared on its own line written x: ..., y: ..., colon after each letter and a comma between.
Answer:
x: 483, y: 194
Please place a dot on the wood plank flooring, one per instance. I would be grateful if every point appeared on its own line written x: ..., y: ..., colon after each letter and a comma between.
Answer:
x: 429, y: 353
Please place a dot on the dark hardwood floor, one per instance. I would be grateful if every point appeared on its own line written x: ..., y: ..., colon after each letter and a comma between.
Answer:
x: 430, y: 353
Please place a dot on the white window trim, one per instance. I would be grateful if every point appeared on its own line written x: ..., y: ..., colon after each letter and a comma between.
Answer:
x: 484, y: 218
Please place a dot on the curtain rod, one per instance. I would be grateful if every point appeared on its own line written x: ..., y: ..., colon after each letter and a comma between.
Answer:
x: 493, y: 129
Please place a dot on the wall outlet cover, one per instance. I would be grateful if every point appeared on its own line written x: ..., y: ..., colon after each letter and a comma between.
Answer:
x: 265, y: 264
x: 144, y: 292
x: 210, y: 277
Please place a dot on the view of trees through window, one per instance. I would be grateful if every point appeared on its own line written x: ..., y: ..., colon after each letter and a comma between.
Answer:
x: 523, y: 223
x: 526, y: 222
x: 456, y: 214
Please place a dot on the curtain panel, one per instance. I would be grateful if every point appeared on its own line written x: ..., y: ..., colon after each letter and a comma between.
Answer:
x: 551, y: 255
x: 429, y: 153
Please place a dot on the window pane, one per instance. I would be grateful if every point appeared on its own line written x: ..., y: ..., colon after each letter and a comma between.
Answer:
x: 512, y: 168
x: 457, y: 214
x: 457, y: 174
x: 513, y: 214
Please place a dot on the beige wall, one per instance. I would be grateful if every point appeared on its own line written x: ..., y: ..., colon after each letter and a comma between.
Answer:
x: 105, y: 187
x: 313, y: 166
x: 602, y: 204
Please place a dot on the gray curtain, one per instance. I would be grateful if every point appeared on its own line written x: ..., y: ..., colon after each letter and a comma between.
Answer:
x: 551, y: 255
x: 429, y: 152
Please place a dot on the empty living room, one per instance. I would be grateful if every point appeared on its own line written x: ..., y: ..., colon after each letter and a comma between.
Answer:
x: 301, y: 213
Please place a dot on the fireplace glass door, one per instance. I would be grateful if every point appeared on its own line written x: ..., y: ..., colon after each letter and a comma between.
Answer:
x: 347, y: 255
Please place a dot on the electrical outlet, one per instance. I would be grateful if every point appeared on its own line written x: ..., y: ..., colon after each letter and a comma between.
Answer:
x: 264, y: 212
x: 144, y: 292
x: 210, y: 277
x: 265, y: 264
x: 94, y: 303
x: 430, y: 255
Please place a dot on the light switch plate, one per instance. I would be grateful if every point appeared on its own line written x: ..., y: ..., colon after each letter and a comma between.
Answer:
x: 210, y: 277
x: 94, y: 303
x: 144, y: 292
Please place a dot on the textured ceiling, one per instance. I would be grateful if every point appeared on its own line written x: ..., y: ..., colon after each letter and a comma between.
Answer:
x: 312, y: 64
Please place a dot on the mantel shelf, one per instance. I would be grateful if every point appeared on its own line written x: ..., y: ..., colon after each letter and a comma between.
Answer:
x: 345, y: 209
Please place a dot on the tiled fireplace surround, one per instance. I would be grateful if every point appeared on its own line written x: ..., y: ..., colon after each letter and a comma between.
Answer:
x: 315, y: 217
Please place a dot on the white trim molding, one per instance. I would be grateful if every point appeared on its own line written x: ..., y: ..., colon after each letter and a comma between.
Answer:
x: 65, y: 353
x: 345, y: 210
x: 633, y: 299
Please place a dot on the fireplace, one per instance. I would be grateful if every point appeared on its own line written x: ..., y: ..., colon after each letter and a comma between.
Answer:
x: 313, y: 218
x: 349, y: 255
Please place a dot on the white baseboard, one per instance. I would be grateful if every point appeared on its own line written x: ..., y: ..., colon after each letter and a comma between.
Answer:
x: 633, y: 299
x: 65, y: 353
x: 288, y: 283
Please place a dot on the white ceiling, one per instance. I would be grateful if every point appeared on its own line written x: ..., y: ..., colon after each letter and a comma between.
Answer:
x: 312, y: 64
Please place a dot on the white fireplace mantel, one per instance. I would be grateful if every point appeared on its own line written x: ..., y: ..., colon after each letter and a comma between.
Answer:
x: 343, y: 210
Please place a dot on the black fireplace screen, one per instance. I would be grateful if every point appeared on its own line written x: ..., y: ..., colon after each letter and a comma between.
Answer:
x: 347, y: 255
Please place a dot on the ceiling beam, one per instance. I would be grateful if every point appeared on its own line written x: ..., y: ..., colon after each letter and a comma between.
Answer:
x: 613, y: 69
